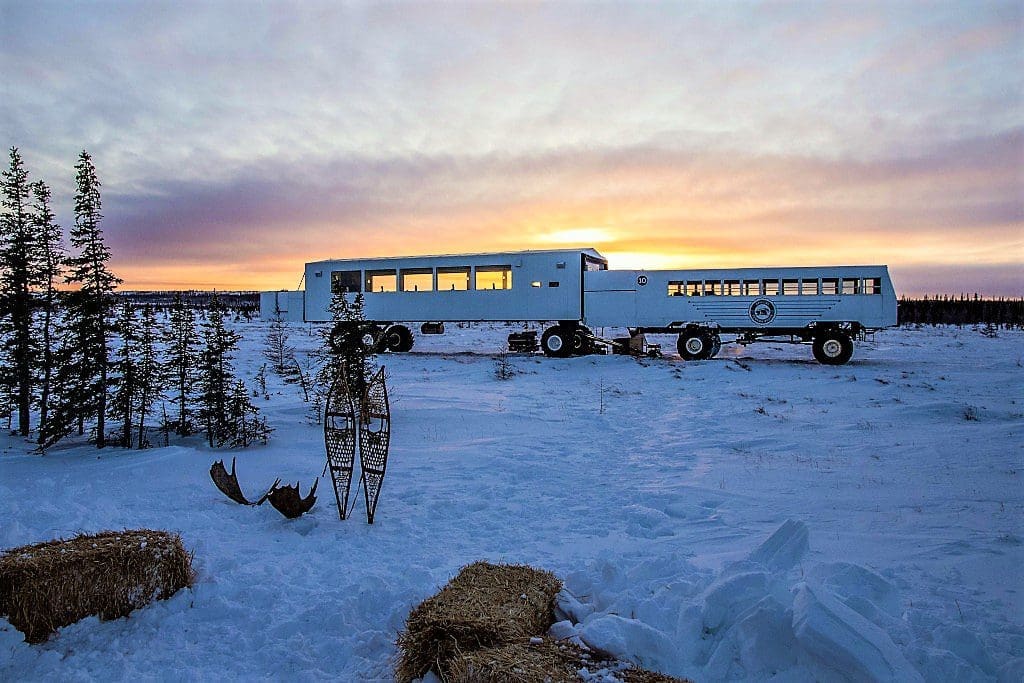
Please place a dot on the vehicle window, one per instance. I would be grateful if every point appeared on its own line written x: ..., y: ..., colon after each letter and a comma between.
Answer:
x: 453, y: 279
x: 493, y: 277
x: 417, y: 279
x: 345, y: 281
x: 381, y: 281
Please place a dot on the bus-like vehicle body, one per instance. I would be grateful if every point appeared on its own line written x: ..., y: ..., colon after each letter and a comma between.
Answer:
x: 826, y: 306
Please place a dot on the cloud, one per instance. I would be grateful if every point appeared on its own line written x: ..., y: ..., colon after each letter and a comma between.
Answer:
x: 690, y: 205
x: 238, y: 144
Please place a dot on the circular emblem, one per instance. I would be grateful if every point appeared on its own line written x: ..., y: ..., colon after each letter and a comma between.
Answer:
x: 641, y: 280
x: 762, y: 311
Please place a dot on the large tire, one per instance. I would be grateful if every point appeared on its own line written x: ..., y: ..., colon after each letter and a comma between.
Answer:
x: 581, y: 344
x: 696, y: 344
x: 832, y: 347
x: 397, y: 338
x: 557, y: 341
x: 353, y: 335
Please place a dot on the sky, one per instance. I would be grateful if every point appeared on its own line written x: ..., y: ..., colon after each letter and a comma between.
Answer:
x: 238, y: 140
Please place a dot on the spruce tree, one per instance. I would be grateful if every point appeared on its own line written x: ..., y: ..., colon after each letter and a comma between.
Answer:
x: 276, y: 348
x: 64, y: 392
x: 152, y: 372
x: 18, y: 277
x: 50, y: 257
x: 125, y: 373
x: 245, y: 418
x: 349, y: 343
x: 90, y: 304
x: 183, y: 358
x: 6, y: 391
x: 216, y: 375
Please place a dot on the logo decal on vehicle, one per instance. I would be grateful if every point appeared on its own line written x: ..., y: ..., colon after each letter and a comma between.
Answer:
x: 762, y: 311
x: 641, y: 280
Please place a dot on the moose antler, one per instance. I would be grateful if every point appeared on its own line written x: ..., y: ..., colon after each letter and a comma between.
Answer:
x: 228, y: 483
x: 286, y: 500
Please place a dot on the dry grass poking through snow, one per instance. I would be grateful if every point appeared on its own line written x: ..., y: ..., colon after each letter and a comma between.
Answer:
x: 485, y: 627
x: 52, y: 584
x: 542, y: 660
x: 485, y: 605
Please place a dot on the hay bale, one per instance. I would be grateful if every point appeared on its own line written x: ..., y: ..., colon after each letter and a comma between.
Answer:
x: 542, y: 660
x: 557, y: 662
x: 52, y: 584
x: 485, y: 605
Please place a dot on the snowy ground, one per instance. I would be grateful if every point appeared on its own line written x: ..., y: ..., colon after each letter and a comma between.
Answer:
x: 648, y: 486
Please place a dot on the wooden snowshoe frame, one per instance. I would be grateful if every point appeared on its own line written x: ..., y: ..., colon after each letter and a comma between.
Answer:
x: 374, y: 440
x: 228, y: 484
x: 340, y: 439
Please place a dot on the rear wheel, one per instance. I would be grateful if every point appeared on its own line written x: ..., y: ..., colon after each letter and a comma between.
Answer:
x: 833, y: 347
x: 557, y: 341
x: 696, y: 344
x: 581, y: 344
x: 397, y: 338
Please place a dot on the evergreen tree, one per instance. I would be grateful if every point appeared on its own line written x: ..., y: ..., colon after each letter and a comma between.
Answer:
x: 125, y: 373
x: 50, y: 257
x: 349, y: 343
x: 216, y: 375
x: 19, y: 275
x: 276, y: 348
x: 65, y: 389
x: 6, y: 392
x: 183, y: 358
x: 89, y: 306
x: 245, y: 417
x: 152, y: 372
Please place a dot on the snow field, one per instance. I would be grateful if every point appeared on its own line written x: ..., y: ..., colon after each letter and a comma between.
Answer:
x: 757, y: 516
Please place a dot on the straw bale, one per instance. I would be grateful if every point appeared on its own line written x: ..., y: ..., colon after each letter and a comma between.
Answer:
x: 517, y: 663
x: 52, y: 584
x: 485, y: 605
x: 546, y: 661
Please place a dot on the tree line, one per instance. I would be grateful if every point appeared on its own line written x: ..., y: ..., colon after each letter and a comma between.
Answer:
x: 72, y: 355
x: 242, y: 305
x: 962, y: 310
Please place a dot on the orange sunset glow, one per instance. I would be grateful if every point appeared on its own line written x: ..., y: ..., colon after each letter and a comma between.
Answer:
x: 665, y: 136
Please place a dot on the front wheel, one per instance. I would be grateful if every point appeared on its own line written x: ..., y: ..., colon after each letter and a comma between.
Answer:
x: 696, y: 345
x: 557, y: 341
x: 349, y: 336
x: 833, y: 348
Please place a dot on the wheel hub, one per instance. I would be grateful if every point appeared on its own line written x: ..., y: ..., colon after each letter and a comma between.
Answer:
x: 694, y: 345
x: 832, y: 348
x: 555, y: 342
